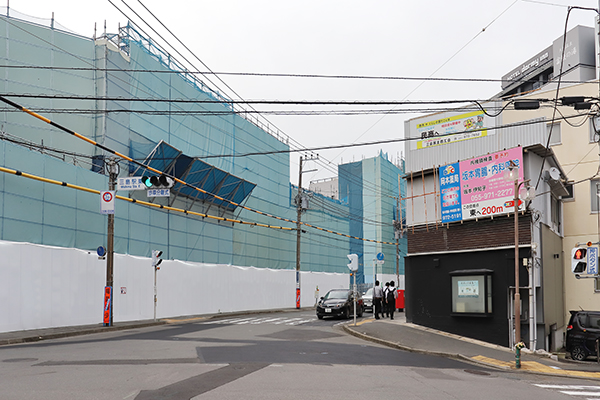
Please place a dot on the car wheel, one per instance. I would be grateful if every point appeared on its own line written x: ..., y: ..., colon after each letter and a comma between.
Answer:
x: 362, y: 311
x: 579, y: 353
x: 319, y: 316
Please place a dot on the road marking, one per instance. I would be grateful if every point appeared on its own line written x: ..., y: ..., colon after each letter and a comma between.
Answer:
x: 534, y: 366
x: 567, y: 387
x: 258, y: 321
x: 574, y: 390
x: 285, y: 321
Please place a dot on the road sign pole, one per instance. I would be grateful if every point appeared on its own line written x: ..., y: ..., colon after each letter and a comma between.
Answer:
x: 112, y: 166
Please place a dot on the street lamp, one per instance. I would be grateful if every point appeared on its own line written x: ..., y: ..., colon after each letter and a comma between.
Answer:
x: 512, y: 174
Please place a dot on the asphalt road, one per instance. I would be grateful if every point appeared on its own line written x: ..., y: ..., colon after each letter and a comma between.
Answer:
x: 266, y: 356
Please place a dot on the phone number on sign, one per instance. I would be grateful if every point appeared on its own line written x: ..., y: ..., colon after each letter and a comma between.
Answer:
x: 491, y: 195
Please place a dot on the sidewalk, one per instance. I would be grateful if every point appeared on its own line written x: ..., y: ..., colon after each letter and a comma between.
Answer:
x: 399, y: 334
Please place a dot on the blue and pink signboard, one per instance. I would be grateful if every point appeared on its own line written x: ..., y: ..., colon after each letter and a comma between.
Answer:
x: 477, y: 188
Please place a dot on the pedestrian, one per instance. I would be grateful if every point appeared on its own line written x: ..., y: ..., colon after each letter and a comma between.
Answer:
x: 391, y: 296
x: 386, y: 308
x: 377, y: 299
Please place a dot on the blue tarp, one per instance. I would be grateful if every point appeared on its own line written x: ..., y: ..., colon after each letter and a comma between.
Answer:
x: 199, y: 174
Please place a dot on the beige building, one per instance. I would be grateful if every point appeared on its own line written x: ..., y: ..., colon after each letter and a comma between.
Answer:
x: 572, y: 127
x: 575, y: 144
x: 447, y: 243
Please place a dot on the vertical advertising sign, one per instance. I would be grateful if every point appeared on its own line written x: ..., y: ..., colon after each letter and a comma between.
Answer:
x: 592, y: 260
x: 450, y: 192
x: 107, y: 305
x: 482, y: 189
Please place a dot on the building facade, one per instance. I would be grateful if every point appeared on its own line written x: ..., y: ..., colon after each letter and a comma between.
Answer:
x: 372, y: 188
x: 572, y: 136
x: 460, y: 266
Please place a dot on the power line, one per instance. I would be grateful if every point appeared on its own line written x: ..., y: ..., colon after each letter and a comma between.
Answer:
x: 176, y: 179
x: 278, y: 75
x: 264, y: 101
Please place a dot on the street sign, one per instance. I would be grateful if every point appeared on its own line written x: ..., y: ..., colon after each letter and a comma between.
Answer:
x: 107, y: 202
x: 159, y: 192
x: 380, y: 256
x: 101, y: 251
x: 131, y: 183
x: 592, y: 260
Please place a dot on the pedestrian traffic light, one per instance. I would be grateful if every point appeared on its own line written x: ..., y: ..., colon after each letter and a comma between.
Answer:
x: 578, y: 260
x: 158, y: 182
x: 156, y: 260
x: 353, y: 262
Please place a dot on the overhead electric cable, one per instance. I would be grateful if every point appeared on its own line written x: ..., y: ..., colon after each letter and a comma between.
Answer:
x: 440, y: 67
x: 277, y: 75
x: 144, y: 203
x: 149, y: 168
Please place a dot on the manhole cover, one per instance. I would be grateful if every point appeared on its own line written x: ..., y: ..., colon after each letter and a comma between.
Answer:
x: 477, y: 372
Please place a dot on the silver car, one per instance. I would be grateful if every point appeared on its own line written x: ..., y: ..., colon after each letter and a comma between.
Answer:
x: 368, y: 299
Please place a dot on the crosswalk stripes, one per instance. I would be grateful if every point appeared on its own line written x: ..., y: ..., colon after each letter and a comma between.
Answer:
x: 590, y: 392
x: 264, y: 320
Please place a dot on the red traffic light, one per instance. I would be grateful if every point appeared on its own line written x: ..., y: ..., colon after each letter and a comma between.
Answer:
x: 579, y: 254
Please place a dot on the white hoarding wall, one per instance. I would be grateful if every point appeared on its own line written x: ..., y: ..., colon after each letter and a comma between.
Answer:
x: 46, y: 287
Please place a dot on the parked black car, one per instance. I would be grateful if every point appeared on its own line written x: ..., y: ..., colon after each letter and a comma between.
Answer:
x: 583, y: 331
x: 339, y: 303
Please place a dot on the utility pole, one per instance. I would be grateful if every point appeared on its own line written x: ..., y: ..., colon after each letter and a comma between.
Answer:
x: 299, y: 200
x: 113, y: 172
x: 298, y: 231
x: 397, y: 235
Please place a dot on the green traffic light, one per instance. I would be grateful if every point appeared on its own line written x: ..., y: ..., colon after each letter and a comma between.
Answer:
x: 146, y: 181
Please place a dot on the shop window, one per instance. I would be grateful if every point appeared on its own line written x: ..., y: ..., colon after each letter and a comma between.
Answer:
x: 472, y: 292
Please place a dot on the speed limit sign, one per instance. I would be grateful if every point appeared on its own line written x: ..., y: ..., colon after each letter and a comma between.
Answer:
x: 107, y: 202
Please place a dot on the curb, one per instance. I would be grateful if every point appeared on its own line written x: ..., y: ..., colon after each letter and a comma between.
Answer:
x: 461, y: 357
x: 398, y: 346
x: 86, y: 331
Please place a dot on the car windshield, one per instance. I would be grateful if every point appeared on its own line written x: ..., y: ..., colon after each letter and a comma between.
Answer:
x: 336, y: 294
x: 369, y: 293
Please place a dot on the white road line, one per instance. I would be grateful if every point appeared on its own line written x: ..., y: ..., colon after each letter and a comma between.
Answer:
x: 243, y: 321
x: 567, y: 387
x: 273, y: 319
x: 301, y: 322
x: 285, y: 321
x: 220, y: 321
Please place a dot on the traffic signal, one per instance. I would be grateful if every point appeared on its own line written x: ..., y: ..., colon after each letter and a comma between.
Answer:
x: 156, y: 260
x: 578, y: 260
x: 158, y: 182
x: 353, y: 262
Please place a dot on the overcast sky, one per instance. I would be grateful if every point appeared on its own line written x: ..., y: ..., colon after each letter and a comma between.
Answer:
x: 414, y: 39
